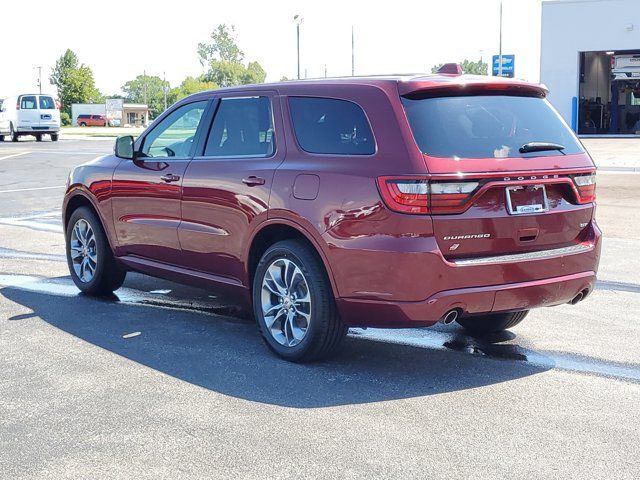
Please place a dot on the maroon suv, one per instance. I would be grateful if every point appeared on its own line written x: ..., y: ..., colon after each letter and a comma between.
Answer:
x: 377, y: 202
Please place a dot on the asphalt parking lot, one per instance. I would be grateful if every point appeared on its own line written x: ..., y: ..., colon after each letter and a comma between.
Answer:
x: 162, y: 381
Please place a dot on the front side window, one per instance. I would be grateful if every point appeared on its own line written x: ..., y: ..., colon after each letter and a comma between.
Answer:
x: 330, y: 126
x: 28, y: 102
x: 486, y: 126
x: 47, y: 103
x: 242, y: 127
x: 173, y: 136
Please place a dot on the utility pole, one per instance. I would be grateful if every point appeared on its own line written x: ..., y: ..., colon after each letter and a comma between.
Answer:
x: 500, y: 47
x: 298, y: 20
x: 40, y: 78
x: 164, y: 88
x: 353, y: 55
x: 325, y: 70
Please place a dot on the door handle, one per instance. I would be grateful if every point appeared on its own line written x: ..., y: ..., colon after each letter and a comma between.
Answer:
x: 252, y: 181
x: 170, y: 177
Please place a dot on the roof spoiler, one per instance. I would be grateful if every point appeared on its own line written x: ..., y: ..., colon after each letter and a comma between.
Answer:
x: 450, y: 69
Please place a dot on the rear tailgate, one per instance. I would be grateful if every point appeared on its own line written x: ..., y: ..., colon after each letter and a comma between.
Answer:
x: 488, y: 195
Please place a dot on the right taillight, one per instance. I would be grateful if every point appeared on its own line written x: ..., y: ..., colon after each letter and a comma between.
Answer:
x: 586, y: 186
x: 419, y: 196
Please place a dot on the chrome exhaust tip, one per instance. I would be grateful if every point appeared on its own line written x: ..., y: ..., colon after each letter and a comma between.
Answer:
x: 577, y: 298
x: 450, y: 317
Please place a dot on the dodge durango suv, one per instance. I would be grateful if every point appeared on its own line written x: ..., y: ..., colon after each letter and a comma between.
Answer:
x: 397, y: 201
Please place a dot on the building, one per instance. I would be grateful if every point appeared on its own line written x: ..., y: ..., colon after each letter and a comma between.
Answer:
x: 133, y: 114
x: 590, y: 60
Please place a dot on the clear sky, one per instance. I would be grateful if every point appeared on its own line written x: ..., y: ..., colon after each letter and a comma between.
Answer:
x: 120, y: 39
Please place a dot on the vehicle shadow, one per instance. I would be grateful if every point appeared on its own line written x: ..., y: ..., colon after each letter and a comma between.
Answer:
x: 226, y: 355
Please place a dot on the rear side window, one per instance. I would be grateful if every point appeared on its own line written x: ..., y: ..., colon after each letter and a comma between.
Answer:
x: 47, y: 103
x: 330, y: 126
x: 486, y: 126
x: 28, y: 102
x: 242, y: 127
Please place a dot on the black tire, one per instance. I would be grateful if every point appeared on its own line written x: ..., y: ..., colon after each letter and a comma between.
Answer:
x: 54, y: 137
x: 13, y: 134
x: 108, y: 275
x: 39, y: 137
x: 492, y: 322
x: 325, y: 330
x: 1, y: 138
x: 82, y: 124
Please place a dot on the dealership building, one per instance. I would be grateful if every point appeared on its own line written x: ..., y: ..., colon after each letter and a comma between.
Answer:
x: 590, y: 60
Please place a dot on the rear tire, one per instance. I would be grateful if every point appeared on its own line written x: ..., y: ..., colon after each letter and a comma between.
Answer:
x: 1, y: 138
x: 93, y: 268
x: 291, y: 281
x: 38, y: 137
x: 82, y: 124
x: 492, y: 322
x: 14, y: 135
x: 54, y: 137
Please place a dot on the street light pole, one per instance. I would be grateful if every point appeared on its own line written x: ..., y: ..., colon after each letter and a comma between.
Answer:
x: 298, y: 20
x: 353, y: 54
x: 40, y: 78
x: 164, y: 88
x: 500, y: 48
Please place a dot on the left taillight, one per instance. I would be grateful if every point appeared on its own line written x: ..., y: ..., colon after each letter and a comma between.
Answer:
x: 586, y: 186
x: 405, y: 194
x: 419, y: 196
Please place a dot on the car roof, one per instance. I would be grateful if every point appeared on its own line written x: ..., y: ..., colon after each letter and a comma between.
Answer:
x: 406, y: 83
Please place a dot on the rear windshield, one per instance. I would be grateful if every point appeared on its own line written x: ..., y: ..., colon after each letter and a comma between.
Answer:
x: 486, y: 126
x: 47, y: 103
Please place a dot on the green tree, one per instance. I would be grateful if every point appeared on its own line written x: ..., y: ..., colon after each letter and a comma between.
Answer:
x: 225, y: 61
x: 189, y: 86
x: 74, y: 82
x: 469, y: 67
x: 147, y: 89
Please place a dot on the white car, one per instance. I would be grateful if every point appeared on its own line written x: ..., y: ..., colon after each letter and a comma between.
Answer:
x: 29, y: 114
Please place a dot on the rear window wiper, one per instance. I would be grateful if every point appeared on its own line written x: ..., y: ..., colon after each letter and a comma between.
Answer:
x: 540, y: 147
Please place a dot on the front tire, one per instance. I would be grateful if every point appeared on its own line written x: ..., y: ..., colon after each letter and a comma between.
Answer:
x: 38, y: 137
x: 91, y: 263
x: 294, y: 305
x: 492, y: 322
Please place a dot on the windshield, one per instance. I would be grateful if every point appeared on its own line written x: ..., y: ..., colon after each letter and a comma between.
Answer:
x: 487, y: 126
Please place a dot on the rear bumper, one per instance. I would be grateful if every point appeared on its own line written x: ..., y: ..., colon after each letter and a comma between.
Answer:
x: 38, y: 129
x: 475, y: 300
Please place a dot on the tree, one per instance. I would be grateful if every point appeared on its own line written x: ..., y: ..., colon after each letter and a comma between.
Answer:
x: 147, y: 89
x: 224, y: 60
x: 469, y: 67
x: 74, y: 82
x: 189, y: 86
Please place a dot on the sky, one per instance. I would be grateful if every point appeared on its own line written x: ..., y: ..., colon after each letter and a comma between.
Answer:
x: 121, y: 39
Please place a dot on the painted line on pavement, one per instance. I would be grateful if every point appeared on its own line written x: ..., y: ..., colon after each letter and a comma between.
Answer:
x: 14, y: 155
x: 31, y: 189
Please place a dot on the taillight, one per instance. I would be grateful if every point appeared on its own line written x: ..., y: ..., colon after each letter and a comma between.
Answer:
x: 18, y: 105
x: 586, y: 185
x: 419, y: 196
x: 450, y: 197
x: 405, y: 194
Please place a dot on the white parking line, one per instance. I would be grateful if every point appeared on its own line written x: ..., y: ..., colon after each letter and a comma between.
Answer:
x: 30, y: 189
x: 14, y: 155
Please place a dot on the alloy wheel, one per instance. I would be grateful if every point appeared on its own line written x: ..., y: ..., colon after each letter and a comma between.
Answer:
x: 83, y: 248
x: 286, y: 302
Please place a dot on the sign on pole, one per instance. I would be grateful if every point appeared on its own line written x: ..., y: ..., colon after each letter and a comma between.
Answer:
x: 508, y: 65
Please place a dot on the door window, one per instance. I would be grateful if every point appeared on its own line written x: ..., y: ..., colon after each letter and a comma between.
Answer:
x: 47, y: 103
x: 28, y: 102
x: 242, y: 127
x: 174, y: 135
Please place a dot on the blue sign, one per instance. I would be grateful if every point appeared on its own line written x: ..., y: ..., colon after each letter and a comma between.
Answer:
x: 508, y: 65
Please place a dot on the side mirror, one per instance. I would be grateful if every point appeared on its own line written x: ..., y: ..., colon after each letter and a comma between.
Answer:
x: 124, y: 147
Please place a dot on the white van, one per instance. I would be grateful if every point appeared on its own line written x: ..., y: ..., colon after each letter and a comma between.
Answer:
x: 29, y: 114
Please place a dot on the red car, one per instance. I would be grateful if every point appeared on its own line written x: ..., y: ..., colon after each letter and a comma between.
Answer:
x: 370, y: 202
x: 91, y: 120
